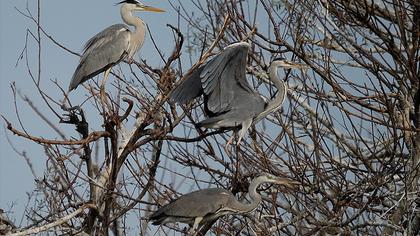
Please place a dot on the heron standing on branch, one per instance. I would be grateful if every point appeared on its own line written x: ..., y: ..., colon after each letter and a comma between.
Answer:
x: 202, y: 206
x: 228, y: 98
x: 112, y: 45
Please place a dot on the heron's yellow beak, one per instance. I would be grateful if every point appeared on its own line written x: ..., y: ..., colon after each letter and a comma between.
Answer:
x: 288, y: 182
x: 149, y: 8
x: 291, y: 65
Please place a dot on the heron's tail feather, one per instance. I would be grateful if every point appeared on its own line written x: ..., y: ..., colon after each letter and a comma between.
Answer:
x: 212, y: 122
x: 73, y: 85
x: 157, y: 222
x: 156, y: 219
x: 77, y: 77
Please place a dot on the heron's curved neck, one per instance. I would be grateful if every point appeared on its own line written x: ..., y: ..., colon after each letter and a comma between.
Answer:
x: 129, y: 19
x: 137, y: 37
x: 281, y: 91
x: 255, y: 198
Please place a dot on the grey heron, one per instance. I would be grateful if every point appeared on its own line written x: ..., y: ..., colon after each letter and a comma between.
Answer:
x: 198, y: 207
x: 112, y: 45
x: 228, y: 98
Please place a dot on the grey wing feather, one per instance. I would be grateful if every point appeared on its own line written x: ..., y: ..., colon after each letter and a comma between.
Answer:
x: 188, y: 89
x: 224, y: 77
x: 194, y: 204
x: 245, y: 107
x: 100, y: 52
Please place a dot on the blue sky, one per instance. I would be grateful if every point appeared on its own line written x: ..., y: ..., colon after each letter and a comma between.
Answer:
x: 71, y: 23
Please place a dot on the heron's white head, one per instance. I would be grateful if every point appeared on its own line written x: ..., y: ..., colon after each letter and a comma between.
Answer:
x: 133, y: 5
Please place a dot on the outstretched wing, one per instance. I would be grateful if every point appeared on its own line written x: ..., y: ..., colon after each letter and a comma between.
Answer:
x: 224, y: 78
x: 102, y: 51
x: 189, y: 88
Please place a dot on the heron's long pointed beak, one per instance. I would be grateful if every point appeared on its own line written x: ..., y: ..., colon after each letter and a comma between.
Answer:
x: 291, y: 65
x: 288, y: 182
x: 149, y: 8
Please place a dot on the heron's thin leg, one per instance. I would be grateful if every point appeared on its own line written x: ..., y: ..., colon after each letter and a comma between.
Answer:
x: 197, y: 221
x: 102, y: 94
x: 245, y: 126
x: 229, y: 142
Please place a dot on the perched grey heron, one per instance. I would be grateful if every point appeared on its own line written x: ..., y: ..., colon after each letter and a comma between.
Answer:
x: 112, y: 45
x: 198, y: 207
x: 228, y: 98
